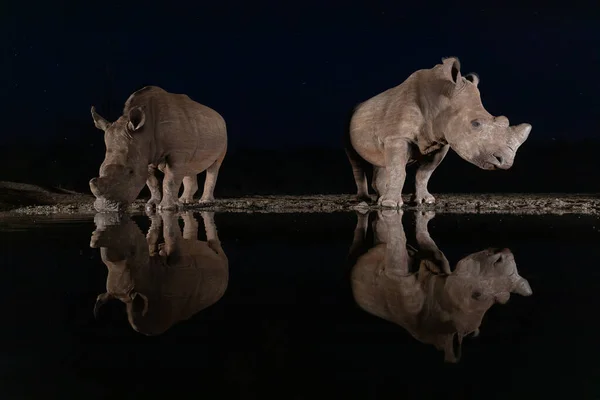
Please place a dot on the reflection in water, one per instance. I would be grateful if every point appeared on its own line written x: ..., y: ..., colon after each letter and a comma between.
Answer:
x: 417, y: 289
x: 165, y: 283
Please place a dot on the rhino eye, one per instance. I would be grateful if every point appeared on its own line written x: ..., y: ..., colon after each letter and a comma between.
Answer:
x: 476, y: 295
x: 475, y: 123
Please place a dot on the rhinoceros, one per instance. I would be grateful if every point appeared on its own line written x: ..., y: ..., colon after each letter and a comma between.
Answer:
x: 416, y: 288
x: 160, y: 284
x: 418, y: 121
x: 163, y: 130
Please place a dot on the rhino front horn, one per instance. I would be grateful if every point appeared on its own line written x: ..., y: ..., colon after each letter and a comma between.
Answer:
x: 100, y: 301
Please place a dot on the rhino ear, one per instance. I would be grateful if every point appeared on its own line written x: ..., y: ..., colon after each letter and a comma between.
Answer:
x: 100, y: 122
x: 137, y: 118
x: 473, y: 78
x: 452, y: 68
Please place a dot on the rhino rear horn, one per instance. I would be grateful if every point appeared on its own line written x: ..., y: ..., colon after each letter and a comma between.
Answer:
x: 99, y: 122
x: 100, y: 301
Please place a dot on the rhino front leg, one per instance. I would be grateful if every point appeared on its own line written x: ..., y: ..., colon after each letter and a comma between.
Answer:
x: 424, y: 171
x: 171, y: 232
x: 427, y: 246
x: 211, y: 232
x: 154, y: 186
x: 190, y: 226
x: 190, y: 187
x: 391, y: 230
x: 153, y: 233
x: 396, y: 154
x: 212, y: 174
x: 379, y: 183
x: 171, y: 185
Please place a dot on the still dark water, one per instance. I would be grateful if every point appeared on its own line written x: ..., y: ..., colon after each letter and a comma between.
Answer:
x: 288, y: 314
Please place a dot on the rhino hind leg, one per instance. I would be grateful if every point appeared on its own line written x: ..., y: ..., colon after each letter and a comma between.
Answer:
x: 212, y: 173
x: 396, y: 153
x: 358, y: 171
x: 190, y: 187
x: 424, y: 171
x: 171, y: 185
x: 154, y: 186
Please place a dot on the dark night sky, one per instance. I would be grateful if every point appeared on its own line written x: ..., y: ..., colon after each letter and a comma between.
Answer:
x: 288, y: 75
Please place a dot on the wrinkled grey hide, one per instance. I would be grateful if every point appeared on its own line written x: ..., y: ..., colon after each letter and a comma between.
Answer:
x: 432, y: 111
x: 165, y: 283
x: 418, y: 290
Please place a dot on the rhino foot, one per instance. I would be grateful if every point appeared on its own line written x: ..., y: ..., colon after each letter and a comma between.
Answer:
x: 423, y: 198
x: 387, y: 202
x: 171, y: 206
x: 152, y: 204
x: 186, y: 200
x: 206, y: 200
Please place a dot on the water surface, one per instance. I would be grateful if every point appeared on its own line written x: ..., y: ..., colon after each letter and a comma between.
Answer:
x: 290, y: 315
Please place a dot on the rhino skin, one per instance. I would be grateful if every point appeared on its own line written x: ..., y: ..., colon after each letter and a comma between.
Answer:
x: 418, y: 121
x: 161, y: 284
x: 165, y: 131
x: 416, y: 288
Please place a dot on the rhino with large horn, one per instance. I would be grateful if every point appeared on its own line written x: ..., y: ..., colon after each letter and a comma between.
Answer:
x: 160, y: 284
x: 419, y: 120
x: 419, y: 291
x: 165, y: 131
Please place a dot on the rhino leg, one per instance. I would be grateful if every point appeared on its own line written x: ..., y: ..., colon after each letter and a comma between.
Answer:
x: 424, y: 171
x: 171, y: 233
x: 154, y: 186
x: 427, y: 246
x: 190, y: 187
x: 389, y: 229
x: 379, y: 183
x: 190, y: 226
x: 360, y: 233
x: 211, y: 232
x: 396, y: 153
x: 210, y: 182
x: 360, y: 178
x: 171, y: 185
x: 153, y: 233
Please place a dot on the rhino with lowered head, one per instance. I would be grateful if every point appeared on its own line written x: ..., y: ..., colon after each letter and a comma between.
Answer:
x: 418, y: 121
x: 163, y: 130
x: 160, y: 284
x: 416, y: 288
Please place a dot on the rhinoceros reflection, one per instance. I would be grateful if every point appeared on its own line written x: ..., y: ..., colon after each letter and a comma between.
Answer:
x: 416, y: 289
x: 165, y: 283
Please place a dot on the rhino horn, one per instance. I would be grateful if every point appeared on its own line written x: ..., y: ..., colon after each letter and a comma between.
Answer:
x: 453, y: 348
x: 522, y: 287
x: 99, y: 122
x: 100, y: 301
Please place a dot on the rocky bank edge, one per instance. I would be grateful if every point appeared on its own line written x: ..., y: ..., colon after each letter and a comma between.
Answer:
x: 26, y: 199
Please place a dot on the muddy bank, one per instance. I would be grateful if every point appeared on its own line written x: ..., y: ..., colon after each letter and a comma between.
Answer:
x: 23, y: 199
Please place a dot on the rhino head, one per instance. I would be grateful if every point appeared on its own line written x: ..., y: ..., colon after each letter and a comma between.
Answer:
x: 479, y: 281
x: 478, y: 137
x: 124, y: 250
x: 124, y: 170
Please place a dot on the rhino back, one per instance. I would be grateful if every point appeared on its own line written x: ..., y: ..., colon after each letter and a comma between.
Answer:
x: 397, y: 300
x: 180, y: 124
x: 392, y: 112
